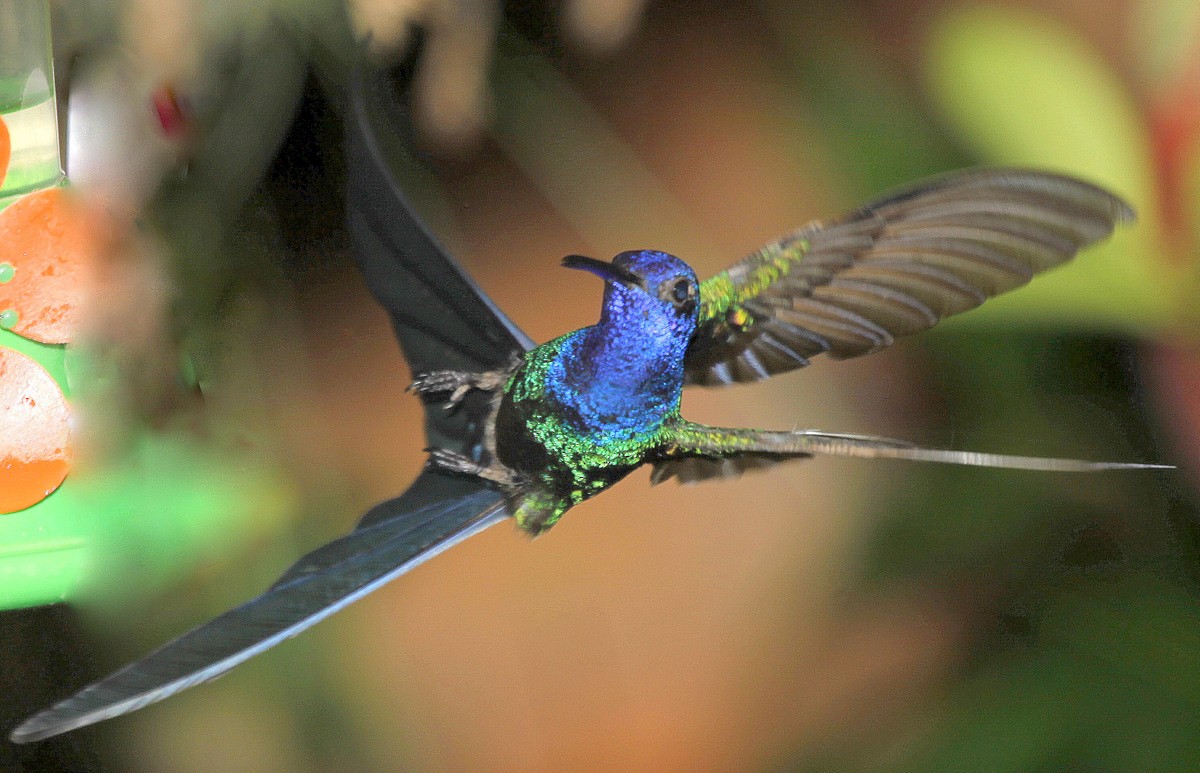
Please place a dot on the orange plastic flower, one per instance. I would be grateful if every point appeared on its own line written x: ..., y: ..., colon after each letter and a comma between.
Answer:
x: 35, y: 430
x: 49, y: 244
x: 5, y: 149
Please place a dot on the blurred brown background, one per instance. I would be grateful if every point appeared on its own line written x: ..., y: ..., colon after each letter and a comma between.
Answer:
x: 826, y: 615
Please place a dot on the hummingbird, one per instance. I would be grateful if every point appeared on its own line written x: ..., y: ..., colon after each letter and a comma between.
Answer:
x: 524, y: 431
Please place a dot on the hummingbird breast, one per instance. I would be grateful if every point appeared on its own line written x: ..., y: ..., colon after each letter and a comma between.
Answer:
x: 562, y: 419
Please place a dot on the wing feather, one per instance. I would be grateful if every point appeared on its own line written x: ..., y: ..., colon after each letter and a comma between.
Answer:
x: 892, y: 268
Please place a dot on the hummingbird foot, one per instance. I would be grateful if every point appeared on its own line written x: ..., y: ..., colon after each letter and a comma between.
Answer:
x: 450, y: 461
x: 457, y: 383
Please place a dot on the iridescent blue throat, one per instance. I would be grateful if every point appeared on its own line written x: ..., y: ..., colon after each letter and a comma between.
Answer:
x: 622, y: 377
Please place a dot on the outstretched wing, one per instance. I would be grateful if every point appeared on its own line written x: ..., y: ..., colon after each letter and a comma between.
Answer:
x: 441, y: 317
x: 892, y: 268
x: 443, y: 321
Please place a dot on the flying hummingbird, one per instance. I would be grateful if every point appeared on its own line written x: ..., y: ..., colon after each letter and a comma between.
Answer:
x: 524, y: 431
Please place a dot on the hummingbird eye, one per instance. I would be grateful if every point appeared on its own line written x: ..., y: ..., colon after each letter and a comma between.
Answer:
x: 681, y: 290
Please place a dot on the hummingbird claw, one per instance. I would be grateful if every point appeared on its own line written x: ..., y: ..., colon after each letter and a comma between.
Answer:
x: 457, y: 383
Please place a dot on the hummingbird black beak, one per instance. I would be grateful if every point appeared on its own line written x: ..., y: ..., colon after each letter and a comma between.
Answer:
x: 605, y: 270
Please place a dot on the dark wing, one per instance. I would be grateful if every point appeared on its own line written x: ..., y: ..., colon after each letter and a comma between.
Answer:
x: 441, y: 317
x: 892, y: 268
x: 695, y: 469
x: 443, y: 320
x: 318, y: 585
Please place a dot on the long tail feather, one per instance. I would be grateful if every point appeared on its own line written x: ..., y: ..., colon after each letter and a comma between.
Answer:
x: 318, y: 585
x: 701, y: 453
x: 870, y: 447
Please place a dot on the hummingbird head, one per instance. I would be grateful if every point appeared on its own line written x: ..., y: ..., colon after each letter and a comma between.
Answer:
x: 646, y: 288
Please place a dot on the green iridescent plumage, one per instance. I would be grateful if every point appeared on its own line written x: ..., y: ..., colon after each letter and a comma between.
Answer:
x: 722, y: 297
x: 566, y: 453
x: 574, y: 466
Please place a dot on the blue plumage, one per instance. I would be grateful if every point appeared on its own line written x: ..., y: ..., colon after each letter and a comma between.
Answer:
x: 624, y: 375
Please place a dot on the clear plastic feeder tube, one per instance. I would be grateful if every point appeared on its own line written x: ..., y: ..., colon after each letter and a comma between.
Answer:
x: 27, y: 105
